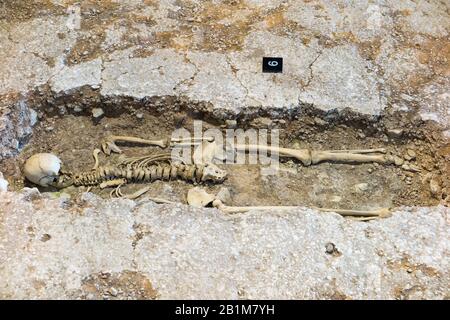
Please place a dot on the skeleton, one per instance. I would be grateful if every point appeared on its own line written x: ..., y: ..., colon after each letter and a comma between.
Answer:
x: 43, y: 169
x: 140, y: 169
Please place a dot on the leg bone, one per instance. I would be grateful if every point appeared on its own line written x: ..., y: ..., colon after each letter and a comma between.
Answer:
x: 308, y: 157
x: 380, y: 213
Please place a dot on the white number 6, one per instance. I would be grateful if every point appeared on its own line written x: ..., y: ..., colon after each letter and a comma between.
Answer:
x: 273, y: 63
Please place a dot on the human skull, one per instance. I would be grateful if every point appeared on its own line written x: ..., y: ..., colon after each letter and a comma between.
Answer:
x: 42, y: 169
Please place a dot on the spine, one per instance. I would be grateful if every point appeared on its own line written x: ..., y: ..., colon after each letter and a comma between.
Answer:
x: 166, y: 172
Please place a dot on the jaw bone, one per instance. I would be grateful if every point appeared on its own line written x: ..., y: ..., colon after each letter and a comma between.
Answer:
x: 42, y: 168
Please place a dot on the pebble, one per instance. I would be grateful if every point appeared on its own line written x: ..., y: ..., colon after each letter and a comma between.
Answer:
x: 50, y: 128
x: 232, y: 124
x: 319, y: 121
x: 398, y: 161
x: 411, y: 153
x: 370, y: 170
x: 139, y: 115
x: 395, y: 133
x: 97, y: 112
x: 113, y: 291
x: 361, y: 187
x: 336, y: 199
x: 435, y: 188
x: 329, y: 248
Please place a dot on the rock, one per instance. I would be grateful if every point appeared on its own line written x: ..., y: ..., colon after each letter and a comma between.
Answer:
x: 262, y: 122
x: 3, y: 184
x: 183, y: 241
x: 435, y: 188
x: 329, y: 248
x: 395, y: 133
x: 16, y: 123
x: 411, y: 153
x: 319, y: 121
x: 398, y: 161
x: 361, y: 187
x: 336, y: 199
x: 113, y: 291
x: 97, y: 113
x: 139, y: 115
x: 232, y: 124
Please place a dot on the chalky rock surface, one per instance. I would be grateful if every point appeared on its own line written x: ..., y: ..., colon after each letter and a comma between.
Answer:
x: 337, y: 54
x: 100, y: 249
x: 16, y: 123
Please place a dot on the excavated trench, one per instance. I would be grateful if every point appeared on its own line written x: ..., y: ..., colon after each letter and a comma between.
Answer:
x: 67, y: 128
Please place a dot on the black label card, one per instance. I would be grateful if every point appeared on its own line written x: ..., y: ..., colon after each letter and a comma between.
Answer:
x: 273, y: 65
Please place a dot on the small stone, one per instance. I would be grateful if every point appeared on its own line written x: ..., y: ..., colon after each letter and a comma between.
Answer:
x: 411, y: 153
x: 45, y: 237
x: 139, y: 115
x: 262, y: 122
x: 49, y: 129
x: 398, y: 161
x: 361, y: 187
x: 395, y: 133
x: 232, y: 124
x: 62, y: 110
x: 113, y: 291
x: 319, y: 121
x: 97, y: 113
x: 409, y: 270
x: 435, y: 188
x: 77, y: 109
x: 329, y: 248
x: 336, y: 199
x: 370, y: 170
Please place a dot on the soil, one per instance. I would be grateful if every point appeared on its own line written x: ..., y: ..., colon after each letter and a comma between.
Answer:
x: 73, y: 136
